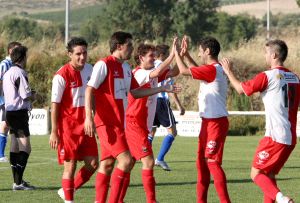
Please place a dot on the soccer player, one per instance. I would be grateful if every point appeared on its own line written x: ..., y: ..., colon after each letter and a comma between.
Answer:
x: 4, y: 66
x: 164, y: 114
x: 68, y: 116
x: 280, y: 91
x: 140, y: 112
x: 17, y: 95
x: 110, y: 83
x: 212, y: 106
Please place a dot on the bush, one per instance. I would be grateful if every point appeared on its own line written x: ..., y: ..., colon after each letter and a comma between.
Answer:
x: 246, y: 125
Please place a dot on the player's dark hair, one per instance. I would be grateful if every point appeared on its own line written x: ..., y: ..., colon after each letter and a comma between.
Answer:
x: 279, y: 47
x: 76, y: 41
x: 162, y: 49
x: 18, y: 54
x: 118, y: 38
x: 212, y: 44
x: 12, y: 45
x: 142, y: 50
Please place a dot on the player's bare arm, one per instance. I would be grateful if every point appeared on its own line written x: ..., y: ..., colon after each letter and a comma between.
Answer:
x: 184, y: 52
x: 144, y: 92
x: 89, y: 127
x: 54, y: 139
x: 166, y: 63
x: 227, y: 66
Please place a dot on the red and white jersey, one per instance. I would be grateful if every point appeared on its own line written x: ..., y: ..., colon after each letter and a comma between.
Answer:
x: 142, y: 110
x: 112, y: 82
x: 68, y: 89
x: 213, y: 90
x: 280, y: 91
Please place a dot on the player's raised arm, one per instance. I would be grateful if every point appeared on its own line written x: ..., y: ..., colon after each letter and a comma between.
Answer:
x: 183, y: 69
x: 227, y: 66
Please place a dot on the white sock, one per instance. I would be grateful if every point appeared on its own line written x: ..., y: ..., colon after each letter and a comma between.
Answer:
x: 69, y: 201
x: 279, y: 196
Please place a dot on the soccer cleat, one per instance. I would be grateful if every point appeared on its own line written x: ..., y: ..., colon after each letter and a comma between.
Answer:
x: 3, y: 159
x: 163, y: 165
x: 61, y: 193
x: 23, y: 186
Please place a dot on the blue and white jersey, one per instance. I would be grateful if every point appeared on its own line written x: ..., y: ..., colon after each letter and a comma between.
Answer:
x: 4, y: 66
x: 163, y: 95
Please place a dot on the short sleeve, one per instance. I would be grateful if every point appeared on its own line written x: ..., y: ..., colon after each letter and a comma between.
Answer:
x: 98, y: 75
x: 206, y: 73
x: 134, y: 84
x: 258, y: 84
x: 58, y: 88
x: 142, y: 76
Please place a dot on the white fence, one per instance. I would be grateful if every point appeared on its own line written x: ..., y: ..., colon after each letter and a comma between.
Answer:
x: 188, y: 125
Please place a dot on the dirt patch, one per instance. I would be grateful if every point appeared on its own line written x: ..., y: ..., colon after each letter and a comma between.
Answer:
x: 259, y: 9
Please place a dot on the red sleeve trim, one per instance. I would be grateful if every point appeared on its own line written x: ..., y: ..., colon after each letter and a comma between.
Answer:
x: 258, y: 84
x: 206, y: 72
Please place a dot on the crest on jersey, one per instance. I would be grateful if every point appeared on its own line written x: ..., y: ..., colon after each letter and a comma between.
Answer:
x: 263, y: 156
x: 279, y: 76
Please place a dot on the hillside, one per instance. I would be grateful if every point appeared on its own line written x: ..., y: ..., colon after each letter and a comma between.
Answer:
x: 36, y: 6
x: 258, y: 9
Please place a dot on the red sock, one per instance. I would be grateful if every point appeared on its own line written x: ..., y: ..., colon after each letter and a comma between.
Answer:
x: 266, y: 184
x: 101, y: 186
x: 149, y: 185
x: 116, y: 185
x: 82, y: 177
x: 124, y: 188
x: 68, y: 187
x: 203, y: 180
x: 219, y: 181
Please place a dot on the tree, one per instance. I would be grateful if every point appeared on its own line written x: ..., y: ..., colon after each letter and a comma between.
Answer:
x: 298, y: 2
x: 143, y: 18
x: 193, y: 17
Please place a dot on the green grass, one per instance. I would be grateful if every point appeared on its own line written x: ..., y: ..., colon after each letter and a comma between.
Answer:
x: 77, y: 16
x: 177, y: 186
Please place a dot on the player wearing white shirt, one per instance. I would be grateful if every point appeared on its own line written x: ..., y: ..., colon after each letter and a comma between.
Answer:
x: 212, y: 107
x: 4, y: 66
x: 280, y: 91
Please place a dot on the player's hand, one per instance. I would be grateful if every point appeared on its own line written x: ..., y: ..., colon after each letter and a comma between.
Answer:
x: 184, y: 46
x: 174, y: 46
x: 89, y: 127
x: 182, y: 111
x: 54, y: 140
x: 227, y: 65
x: 171, y: 88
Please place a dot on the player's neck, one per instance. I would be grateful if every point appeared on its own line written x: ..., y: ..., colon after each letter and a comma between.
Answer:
x: 276, y: 64
x: 79, y: 68
x: 212, y: 61
x: 118, y: 57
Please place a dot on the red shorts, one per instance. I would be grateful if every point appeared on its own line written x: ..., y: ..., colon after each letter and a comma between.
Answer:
x: 212, y: 138
x: 137, y: 139
x: 270, y: 156
x: 76, y: 147
x: 112, y: 141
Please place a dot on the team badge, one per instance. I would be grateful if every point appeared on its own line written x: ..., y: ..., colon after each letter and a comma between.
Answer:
x: 279, y: 76
x: 211, y: 146
x: 144, y: 149
x: 263, y: 156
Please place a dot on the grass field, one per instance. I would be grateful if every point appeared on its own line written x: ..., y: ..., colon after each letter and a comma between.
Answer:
x: 177, y: 186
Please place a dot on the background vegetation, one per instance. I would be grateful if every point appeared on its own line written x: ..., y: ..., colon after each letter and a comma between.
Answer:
x: 242, y: 38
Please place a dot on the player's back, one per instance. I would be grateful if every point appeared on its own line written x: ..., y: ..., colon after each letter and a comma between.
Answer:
x: 281, y: 100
